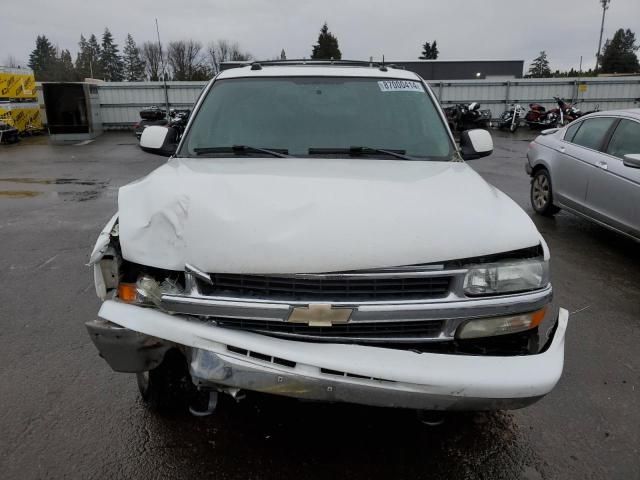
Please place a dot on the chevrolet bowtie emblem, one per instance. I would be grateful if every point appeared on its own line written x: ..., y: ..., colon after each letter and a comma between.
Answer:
x: 320, y: 315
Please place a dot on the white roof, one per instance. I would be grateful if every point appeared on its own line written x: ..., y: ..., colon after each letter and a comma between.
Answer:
x: 318, y: 71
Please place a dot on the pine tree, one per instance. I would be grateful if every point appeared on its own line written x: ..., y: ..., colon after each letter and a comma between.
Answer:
x: 619, y: 53
x: 539, y: 68
x: 327, y: 46
x: 133, y: 65
x: 110, y: 60
x: 65, y: 69
x: 430, y: 51
x: 283, y: 55
x: 88, y: 58
x: 42, y: 59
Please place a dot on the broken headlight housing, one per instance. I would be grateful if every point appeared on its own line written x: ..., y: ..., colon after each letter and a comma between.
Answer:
x: 510, y: 276
x: 147, y: 290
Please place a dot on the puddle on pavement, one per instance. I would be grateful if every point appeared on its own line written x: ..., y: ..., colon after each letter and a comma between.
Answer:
x: 66, y: 195
x: 51, y: 181
x: 19, y: 193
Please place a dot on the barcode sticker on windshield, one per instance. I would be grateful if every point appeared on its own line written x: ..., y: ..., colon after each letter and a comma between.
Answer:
x: 400, y: 86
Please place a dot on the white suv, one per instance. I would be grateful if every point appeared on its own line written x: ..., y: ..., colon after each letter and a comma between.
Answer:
x: 317, y: 234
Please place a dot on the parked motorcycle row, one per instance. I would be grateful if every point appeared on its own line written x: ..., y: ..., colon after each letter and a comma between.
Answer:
x: 467, y: 116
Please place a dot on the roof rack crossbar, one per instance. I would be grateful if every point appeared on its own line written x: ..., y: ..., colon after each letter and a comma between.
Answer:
x: 304, y: 61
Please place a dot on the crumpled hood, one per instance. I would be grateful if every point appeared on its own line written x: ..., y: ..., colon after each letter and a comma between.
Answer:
x: 309, y: 215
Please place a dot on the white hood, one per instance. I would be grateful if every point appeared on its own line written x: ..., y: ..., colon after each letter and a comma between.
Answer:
x: 291, y: 215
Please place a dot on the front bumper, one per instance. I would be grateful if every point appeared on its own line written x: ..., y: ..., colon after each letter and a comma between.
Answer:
x: 527, y: 167
x: 230, y: 359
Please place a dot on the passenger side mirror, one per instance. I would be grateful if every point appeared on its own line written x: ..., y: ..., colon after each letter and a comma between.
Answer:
x: 632, y: 160
x: 159, y: 140
x: 475, y: 143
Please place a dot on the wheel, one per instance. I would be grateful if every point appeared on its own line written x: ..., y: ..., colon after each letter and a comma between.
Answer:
x: 513, y: 127
x: 542, y: 194
x: 168, y: 386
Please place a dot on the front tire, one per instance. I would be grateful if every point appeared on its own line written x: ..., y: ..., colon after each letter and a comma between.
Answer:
x: 542, y: 194
x: 513, y: 127
x: 168, y: 386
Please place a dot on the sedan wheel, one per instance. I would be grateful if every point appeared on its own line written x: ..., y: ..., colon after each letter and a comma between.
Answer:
x: 542, y: 194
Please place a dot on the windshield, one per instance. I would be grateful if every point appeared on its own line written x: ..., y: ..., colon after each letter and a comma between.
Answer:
x: 304, y: 115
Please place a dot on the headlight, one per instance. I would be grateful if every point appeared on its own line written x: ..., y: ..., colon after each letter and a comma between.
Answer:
x: 506, y: 277
x: 489, y: 327
x: 147, y: 290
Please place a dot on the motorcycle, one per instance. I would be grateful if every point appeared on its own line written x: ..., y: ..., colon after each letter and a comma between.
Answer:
x: 178, y: 122
x: 511, y: 118
x: 463, y: 117
x: 539, y: 117
x: 155, y: 115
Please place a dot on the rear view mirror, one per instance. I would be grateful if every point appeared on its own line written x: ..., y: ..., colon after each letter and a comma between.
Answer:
x: 159, y: 140
x: 475, y: 143
x: 632, y: 160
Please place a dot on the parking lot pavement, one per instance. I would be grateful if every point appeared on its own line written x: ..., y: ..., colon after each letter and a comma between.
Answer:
x: 63, y: 413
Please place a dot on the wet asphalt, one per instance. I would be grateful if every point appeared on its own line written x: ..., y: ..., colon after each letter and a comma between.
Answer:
x: 65, y: 414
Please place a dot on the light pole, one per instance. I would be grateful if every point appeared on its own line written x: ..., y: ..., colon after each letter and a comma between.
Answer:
x: 164, y: 72
x: 605, y: 6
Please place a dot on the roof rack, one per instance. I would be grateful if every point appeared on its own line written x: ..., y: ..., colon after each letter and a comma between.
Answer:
x: 258, y: 64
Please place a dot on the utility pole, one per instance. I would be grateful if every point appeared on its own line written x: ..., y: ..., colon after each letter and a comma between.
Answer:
x: 605, y: 7
x: 164, y: 72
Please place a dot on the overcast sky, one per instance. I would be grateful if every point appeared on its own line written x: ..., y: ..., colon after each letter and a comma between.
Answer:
x: 465, y: 29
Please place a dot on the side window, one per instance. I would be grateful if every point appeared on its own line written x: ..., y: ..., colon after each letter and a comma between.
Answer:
x: 592, y: 132
x: 626, y: 139
x: 571, y: 131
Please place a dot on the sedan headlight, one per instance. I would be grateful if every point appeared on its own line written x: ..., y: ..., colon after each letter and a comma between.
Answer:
x: 506, y: 277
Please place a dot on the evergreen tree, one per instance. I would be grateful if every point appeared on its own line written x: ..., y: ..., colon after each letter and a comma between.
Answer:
x: 110, y: 60
x: 65, y: 71
x: 133, y: 65
x: 430, y: 51
x: 283, y: 56
x: 88, y: 58
x: 539, y: 68
x: 42, y: 59
x: 619, y: 53
x: 327, y: 46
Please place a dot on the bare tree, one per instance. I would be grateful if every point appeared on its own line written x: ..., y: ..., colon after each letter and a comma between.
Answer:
x: 152, y: 57
x: 225, y: 51
x: 186, y: 60
x: 11, y: 62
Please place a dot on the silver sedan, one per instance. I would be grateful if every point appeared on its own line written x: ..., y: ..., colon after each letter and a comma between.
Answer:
x: 591, y: 168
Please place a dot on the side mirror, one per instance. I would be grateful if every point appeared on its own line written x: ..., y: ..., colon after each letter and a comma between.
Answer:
x: 475, y: 144
x: 159, y: 140
x: 632, y: 160
x: 549, y: 131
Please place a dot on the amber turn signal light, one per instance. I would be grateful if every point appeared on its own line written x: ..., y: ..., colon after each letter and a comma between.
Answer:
x: 127, y: 292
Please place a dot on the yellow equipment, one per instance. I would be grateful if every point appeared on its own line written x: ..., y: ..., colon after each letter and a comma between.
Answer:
x: 18, y: 99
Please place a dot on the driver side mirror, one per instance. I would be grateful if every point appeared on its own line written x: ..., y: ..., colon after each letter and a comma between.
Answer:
x: 632, y: 160
x: 159, y: 140
x: 475, y: 143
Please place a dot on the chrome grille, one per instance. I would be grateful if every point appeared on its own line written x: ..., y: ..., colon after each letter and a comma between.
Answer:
x: 327, y: 288
x: 354, y: 331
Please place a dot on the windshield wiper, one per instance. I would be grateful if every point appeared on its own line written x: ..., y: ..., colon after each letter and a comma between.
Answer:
x: 361, y: 151
x: 239, y: 149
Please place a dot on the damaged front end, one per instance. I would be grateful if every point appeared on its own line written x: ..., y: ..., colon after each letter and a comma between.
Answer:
x: 398, y: 337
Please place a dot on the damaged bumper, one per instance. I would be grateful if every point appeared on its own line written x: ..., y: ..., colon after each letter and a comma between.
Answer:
x: 229, y: 359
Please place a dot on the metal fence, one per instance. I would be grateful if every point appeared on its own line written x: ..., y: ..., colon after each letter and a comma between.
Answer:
x: 121, y: 101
